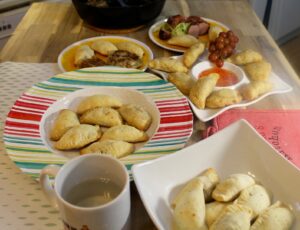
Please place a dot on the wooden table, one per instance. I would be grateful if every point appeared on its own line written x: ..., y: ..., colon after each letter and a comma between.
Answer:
x: 48, y: 28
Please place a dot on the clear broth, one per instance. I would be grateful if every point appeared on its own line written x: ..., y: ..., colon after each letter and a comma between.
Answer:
x: 93, y: 193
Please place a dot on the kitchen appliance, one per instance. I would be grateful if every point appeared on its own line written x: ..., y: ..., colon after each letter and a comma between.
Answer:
x: 11, y: 13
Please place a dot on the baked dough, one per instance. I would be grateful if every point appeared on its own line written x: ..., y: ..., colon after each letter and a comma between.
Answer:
x: 65, y: 120
x: 192, y: 54
x: 213, y: 210
x: 78, y: 137
x: 182, y: 81
x: 233, y: 217
x: 189, y: 212
x: 136, y: 116
x: 255, y: 197
x: 125, y: 133
x: 103, y: 47
x: 131, y: 47
x: 222, y: 98
x: 254, y: 89
x: 258, y: 71
x: 104, y: 116
x: 183, y: 40
x: 246, y: 57
x: 98, y: 100
x: 229, y: 188
x: 278, y: 216
x: 168, y: 64
x: 209, y: 179
x: 202, y: 89
x: 83, y: 53
x: 113, y: 148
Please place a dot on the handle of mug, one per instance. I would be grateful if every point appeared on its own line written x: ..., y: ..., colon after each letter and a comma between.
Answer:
x: 50, y: 170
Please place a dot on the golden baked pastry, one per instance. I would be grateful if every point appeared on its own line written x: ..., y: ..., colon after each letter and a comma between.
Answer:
x: 65, y: 120
x: 229, y: 188
x: 213, y: 210
x: 277, y: 216
x: 192, y: 54
x: 104, y: 116
x: 202, y: 89
x: 222, y: 98
x: 258, y: 71
x: 131, y: 47
x: 233, y: 216
x: 209, y: 179
x: 125, y: 133
x: 113, y: 148
x: 183, y: 40
x: 168, y: 64
x: 103, y: 47
x: 83, y: 53
x: 246, y: 57
x: 255, y: 197
x: 136, y: 116
x: 189, y: 209
x: 182, y: 81
x: 254, y: 89
x: 78, y: 137
x: 98, y: 100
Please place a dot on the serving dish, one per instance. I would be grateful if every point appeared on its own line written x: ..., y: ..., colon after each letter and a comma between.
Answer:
x: 198, y: 68
x: 279, y: 87
x: 25, y: 133
x: 72, y: 100
x: 66, y: 57
x: 154, y: 30
x: 158, y: 181
x: 119, y: 14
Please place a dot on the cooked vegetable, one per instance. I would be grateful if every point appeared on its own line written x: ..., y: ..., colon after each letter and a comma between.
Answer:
x: 180, y: 29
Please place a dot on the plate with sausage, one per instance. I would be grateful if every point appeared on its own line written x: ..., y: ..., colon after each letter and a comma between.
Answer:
x: 177, y: 33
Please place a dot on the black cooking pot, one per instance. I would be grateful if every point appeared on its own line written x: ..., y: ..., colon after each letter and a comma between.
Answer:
x: 118, y: 14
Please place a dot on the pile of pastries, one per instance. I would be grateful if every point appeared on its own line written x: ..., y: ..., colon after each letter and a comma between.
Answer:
x: 124, y: 54
x: 238, y: 202
x: 202, y: 92
x: 101, y: 124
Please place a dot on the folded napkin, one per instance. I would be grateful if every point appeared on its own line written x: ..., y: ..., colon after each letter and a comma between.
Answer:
x: 281, y: 128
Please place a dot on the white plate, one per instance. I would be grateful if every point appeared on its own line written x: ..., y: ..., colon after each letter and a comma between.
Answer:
x: 279, y: 87
x: 155, y: 27
x: 228, y: 151
x: 114, y: 39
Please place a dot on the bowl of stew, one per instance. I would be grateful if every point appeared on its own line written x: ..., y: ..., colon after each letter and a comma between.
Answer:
x: 118, y: 14
x: 231, y: 75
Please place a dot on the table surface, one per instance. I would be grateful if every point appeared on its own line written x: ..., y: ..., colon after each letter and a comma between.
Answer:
x: 48, y: 28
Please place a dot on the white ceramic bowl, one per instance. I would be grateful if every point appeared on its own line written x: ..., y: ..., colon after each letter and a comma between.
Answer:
x: 71, y: 101
x: 229, y: 151
x: 204, y: 65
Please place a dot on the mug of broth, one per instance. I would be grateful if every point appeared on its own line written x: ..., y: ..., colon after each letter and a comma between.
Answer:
x: 91, y: 192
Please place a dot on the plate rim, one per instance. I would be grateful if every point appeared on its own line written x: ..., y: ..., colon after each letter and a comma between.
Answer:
x: 158, y: 23
x: 59, y: 58
x: 156, y: 147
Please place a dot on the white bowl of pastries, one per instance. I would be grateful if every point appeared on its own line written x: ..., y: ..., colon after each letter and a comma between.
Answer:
x: 221, y: 183
x: 107, y: 120
x: 230, y: 75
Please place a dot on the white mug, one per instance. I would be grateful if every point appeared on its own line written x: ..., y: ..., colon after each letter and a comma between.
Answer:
x: 111, y: 215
